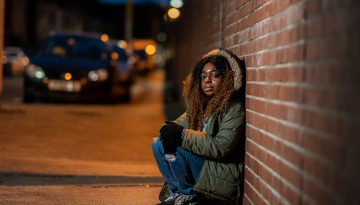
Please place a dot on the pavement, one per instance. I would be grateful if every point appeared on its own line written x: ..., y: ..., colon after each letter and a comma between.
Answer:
x: 81, y: 153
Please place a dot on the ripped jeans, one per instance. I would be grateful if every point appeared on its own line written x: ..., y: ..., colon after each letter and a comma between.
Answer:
x: 182, y: 173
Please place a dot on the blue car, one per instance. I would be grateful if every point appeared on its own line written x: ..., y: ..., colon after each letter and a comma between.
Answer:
x: 75, y: 67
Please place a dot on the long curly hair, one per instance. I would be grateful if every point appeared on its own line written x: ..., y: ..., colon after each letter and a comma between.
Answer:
x: 199, y: 106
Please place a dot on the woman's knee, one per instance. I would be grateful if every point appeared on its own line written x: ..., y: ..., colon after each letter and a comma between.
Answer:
x: 156, y: 146
x: 187, y: 154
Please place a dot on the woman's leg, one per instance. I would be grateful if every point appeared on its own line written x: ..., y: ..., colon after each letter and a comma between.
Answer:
x: 163, y: 165
x: 186, y: 170
x: 182, y: 173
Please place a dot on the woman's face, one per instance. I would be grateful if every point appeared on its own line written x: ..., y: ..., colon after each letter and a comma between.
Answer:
x: 210, y: 79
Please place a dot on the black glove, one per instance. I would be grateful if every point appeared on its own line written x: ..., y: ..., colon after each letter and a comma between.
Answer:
x: 170, y: 134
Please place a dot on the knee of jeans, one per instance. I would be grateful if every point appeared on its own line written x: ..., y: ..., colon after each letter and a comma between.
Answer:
x: 156, y: 145
x: 185, y: 153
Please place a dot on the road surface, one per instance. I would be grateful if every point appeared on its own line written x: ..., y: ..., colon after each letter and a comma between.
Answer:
x: 80, y: 154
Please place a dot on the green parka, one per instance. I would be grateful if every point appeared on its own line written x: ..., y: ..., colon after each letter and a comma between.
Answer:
x: 222, y: 147
x: 223, y: 151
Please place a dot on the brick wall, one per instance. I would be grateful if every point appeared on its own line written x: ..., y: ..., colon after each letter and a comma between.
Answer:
x: 302, y: 93
x: 2, y: 15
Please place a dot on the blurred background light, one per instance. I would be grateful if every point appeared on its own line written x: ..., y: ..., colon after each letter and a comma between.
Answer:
x: 161, y: 36
x: 173, y: 13
x: 71, y: 41
x: 45, y: 80
x: 67, y: 76
x: 104, y: 37
x: 150, y: 49
x: 176, y: 3
x: 122, y: 44
x: 39, y: 74
x: 114, y: 56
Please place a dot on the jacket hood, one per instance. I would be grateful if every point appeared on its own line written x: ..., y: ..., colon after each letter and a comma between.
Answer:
x: 234, y: 63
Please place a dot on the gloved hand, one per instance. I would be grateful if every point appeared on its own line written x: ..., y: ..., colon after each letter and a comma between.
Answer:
x: 170, y: 134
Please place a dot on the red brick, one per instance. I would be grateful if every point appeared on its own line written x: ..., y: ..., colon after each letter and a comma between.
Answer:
x: 258, y: 3
x: 285, y: 132
x: 261, y: 187
x: 327, y: 149
x: 245, y: 201
x: 313, y: 8
x: 240, y: 3
x: 243, y: 23
x: 274, y: 91
x: 228, y: 6
x: 289, y: 54
x: 285, y: 74
x: 273, y: 181
x: 319, y: 195
x: 325, y: 122
x: 252, y: 194
x: 315, y: 28
x: 292, y: 15
x: 260, y: 14
x: 278, y: 166
x: 278, y: 147
x: 244, y: 10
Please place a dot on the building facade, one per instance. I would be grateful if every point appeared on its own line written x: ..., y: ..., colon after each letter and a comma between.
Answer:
x: 301, y: 93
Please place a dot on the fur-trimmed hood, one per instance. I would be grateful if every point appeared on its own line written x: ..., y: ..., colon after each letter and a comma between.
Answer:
x: 199, y: 106
x: 235, y: 63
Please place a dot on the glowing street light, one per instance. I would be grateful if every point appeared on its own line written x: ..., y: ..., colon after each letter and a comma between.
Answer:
x: 67, y: 76
x: 150, y: 49
x: 173, y: 13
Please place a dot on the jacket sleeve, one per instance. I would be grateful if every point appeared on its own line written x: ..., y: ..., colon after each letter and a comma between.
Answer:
x: 231, y: 123
x: 182, y: 120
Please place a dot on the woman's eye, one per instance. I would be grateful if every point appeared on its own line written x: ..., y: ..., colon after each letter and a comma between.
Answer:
x: 203, y: 77
x: 214, y: 75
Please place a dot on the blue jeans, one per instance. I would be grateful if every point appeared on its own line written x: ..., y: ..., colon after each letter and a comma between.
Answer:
x: 180, y: 174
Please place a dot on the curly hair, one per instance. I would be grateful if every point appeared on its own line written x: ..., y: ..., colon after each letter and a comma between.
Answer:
x: 199, y: 106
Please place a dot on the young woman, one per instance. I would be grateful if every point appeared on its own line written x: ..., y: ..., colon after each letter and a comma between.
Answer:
x: 201, y: 153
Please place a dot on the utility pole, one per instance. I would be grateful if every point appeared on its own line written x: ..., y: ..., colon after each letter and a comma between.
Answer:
x: 128, y: 21
x: 2, y: 26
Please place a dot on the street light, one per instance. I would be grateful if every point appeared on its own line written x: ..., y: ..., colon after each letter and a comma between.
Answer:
x: 150, y: 49
x: 173, y: 13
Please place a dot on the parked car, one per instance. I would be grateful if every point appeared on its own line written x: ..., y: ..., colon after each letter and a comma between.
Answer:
x: 72, y: 67
x: 16, y: 61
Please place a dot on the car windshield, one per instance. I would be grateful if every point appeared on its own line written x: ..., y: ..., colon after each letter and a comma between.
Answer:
x: 75, y: 47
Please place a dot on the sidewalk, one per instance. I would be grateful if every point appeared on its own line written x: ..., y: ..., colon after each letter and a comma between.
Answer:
x: 81, y: 154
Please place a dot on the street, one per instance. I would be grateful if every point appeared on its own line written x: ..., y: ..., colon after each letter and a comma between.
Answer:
x: 80, y: 153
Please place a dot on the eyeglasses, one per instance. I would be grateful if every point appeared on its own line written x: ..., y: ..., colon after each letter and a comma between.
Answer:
x: 211, y: 75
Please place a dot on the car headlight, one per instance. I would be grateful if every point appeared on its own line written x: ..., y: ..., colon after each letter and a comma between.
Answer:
x: 35, y: 71
x: 98, y: 75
